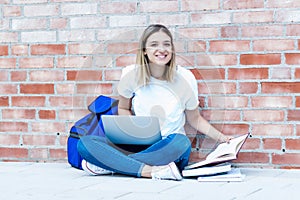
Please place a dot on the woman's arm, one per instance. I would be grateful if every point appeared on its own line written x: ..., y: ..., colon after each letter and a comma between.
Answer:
x: 199, y: 123
x: 124, y: 107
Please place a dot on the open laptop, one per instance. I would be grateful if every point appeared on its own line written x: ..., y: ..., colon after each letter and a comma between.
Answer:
x: 131, y: 129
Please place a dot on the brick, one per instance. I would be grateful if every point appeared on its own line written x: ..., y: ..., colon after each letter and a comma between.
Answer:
x: 272, y: 143
x: 29, y: 1
x: 293, y: 115
x: 122, y: 61
x: 84, y: 75
x: 221, y: 115
x: 125, y: 21
x: 171, y: 20
x: 74, y: 62
x: 292, y: 144
x: 282, y: 4
x: 112, y: 75
x: 72, y: 114
x: 3, y: 50
x: 105, y: 88
x: 248, y: 73
x: 280, y: 87
x: 65, y: 88
x: 4, y: 76
x: 262, y: 31
x: 9, y: 139
x: 216, y: 60
x: 117, y: 34
x: 46, y: 76
x: 297, y: 101
x: 196, y: 46
x: 41, y: 36
x: 229, y: 31
x: 77, y: 35
x: 63, y: 140
x: 37, y: 88
x: 41, y: 10
x: 13, y: 152
x: 4, y: 101
x: 48, y: 127
x: 211, y: 18
x: 12, y: 11
x: 67, y: 101
x: 292, y: 58
x: 78, y: 8
x: 194, y: 5
x: 252, y: 143
x: 118, y: 7
x: 281, y: 73
x: 39, y: 140
x: 18, y: 114
x: 185, y: 60
x: 58, y: 154
x: 8, y: 63
x: 243, y: 4
x: 156, y: 6
x: 216, y: 88
x: 272, y: 102
x: 297, y: 130
x: 122, y: 48
x: 253, y: 17
x: 18, y: 76
x: 253, y: 157
x: 286, y: 158
x: 260, y: 59
x: 8, y: 89
x: 293, y: 16
x: 19, y: 50
x: 248, y: 88
x: 59, y: 23
x: 209, y: 74
x: 272, y: 129
x: 47, y: 114
x: 297, y: 73
x: 87, y: 22
x: 232, y: 128
x: 198, y: 33
x: 48, y: 49
x: 29, y: 24
x: 38, y: 153
x: 228, y: 102
x: 263, y: 115
x: 85, y: 48
x: 8, y: 37
x: 232, y: 45
x: 273, y: 45
x: 28, y: 101
x: 293, y: 30
x: 13, y: 126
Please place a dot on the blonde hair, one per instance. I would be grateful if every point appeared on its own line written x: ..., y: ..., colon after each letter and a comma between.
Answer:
x: 142, y: 59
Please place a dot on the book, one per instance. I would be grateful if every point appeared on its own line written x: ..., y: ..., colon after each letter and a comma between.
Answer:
x: 233, y: 175
x: 201, y: 171
x: 223, y: 153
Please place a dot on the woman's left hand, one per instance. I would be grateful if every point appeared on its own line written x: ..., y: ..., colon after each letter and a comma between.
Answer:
x: 225, y: 138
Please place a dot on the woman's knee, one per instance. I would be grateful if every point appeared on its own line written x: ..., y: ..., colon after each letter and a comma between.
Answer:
x: 182, y: 141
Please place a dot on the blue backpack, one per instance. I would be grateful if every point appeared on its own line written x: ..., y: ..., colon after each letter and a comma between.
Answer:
x: 90, y: 124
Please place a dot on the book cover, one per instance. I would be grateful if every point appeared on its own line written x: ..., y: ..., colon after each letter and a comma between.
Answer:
x: 234, y: 175
x: 225, y: 167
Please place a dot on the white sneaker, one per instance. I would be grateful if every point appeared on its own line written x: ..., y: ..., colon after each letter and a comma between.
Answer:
x: 169, y: 172
x: 93, y: 169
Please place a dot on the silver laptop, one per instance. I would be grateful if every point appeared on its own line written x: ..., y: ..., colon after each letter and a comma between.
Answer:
x: 130, y: 129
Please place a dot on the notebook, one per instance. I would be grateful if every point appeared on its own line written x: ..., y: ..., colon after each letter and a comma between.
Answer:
x: 131, y: 129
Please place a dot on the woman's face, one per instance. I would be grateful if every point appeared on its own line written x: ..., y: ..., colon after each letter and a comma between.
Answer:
x: 159, y: 48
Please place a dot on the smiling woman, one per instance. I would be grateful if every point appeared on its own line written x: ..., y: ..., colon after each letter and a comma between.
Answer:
x: 154, y: 86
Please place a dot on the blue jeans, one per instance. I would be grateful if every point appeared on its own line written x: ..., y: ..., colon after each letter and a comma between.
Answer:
x: 98, y: 151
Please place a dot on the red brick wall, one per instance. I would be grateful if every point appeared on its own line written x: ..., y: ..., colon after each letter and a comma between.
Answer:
x: 56, y: 56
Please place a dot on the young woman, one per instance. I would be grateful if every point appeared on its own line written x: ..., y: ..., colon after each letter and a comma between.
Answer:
x: 154, y: 86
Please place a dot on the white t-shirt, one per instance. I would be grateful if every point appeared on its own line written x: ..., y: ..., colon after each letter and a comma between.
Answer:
x: 163, y: 99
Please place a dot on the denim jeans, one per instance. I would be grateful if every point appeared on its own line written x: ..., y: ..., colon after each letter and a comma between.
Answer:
x: 98, y: 151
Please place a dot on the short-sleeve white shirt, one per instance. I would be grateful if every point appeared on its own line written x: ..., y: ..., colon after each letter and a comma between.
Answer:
x: 163, y: 99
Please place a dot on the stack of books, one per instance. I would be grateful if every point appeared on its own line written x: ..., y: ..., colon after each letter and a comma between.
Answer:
x: 216, y: 166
